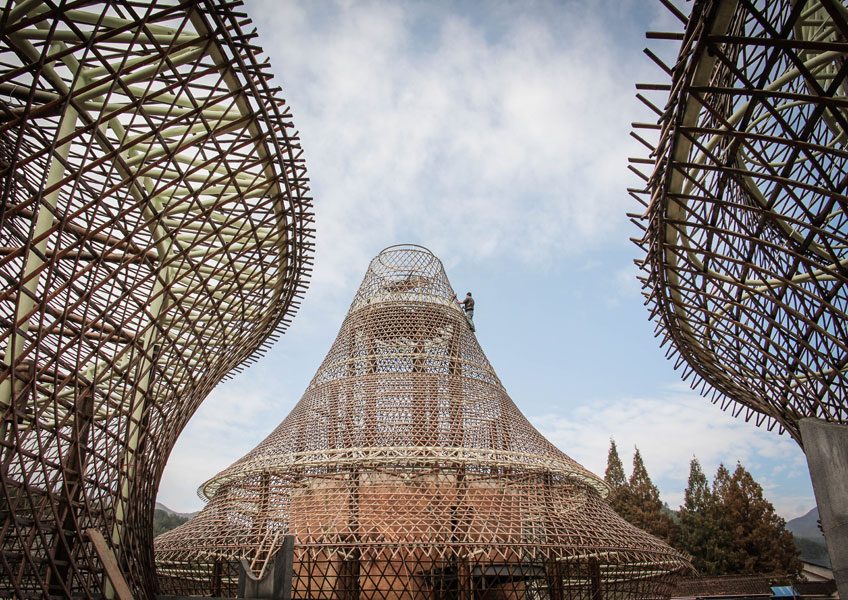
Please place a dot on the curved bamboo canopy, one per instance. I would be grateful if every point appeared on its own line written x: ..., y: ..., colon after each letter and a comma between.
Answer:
x: 155, y: 232
x: 746, y: 213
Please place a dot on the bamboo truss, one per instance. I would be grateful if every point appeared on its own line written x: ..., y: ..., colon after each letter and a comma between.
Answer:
x: 406, y: 471
x: 745, y: 226
x: 155, y: 232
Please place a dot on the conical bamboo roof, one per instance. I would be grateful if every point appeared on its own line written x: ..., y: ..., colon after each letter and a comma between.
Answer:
x: 406, y: 449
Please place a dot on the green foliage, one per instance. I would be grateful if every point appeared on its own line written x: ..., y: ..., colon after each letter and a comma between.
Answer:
x: 727, y: 528
x: 646, y: 508
x: 701, y: 531
x: 698, y: 495
x: 732, y: 528
x: 614, y: 474
x: 638, y: 501
x: 759, y: 540
x: 640, y: 482
x: 163, y: 521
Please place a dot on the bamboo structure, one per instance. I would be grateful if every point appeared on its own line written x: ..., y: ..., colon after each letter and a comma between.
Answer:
x: 406, y: 471
x: 156, y: 234
x: 746, y: 224
x: 745, y: 210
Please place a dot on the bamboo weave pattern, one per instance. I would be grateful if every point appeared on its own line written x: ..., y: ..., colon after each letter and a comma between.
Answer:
x: 746, y: 213
x: 155, y: 231
x: 406, y: 471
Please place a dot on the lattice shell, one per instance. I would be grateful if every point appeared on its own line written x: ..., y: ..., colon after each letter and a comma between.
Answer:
x: 746, y: 235
x: 406, y: 461
x: 155, y: 231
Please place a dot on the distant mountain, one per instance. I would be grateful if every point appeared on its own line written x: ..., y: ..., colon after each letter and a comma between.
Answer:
x: 806, y: 526
x: 674, y: 514
x: 165, y: 509
x: 809, y: 538
x: 165, y: 519
x: 813, y: 551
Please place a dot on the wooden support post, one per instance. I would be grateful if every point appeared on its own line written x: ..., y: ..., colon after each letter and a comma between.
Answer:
x: 352, y: 568
x: 553, y: 571
x: 595, y: 579
x: 73, y: 473
x: 217, y: 575
x: 276, y: 584
x: 464, y: 579
x: 110, y: 565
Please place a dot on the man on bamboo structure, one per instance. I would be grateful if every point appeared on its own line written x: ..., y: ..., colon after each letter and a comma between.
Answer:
x: 468, y: 305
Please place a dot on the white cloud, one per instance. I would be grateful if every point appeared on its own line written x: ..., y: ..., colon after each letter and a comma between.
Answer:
x: 672, y: 429
x: 229, y: 423
x: 625, y: 286
x: 475, y: 143
x: 477, y: 138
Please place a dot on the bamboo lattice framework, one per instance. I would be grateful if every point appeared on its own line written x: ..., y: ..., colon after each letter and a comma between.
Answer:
x: 745, y: 224
x: 156, y: 235
x: 406, y: 471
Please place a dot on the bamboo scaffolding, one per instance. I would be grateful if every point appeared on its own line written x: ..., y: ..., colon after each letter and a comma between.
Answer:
x: 406, y: 471
x: 155, y: 231
x: 745, y: 213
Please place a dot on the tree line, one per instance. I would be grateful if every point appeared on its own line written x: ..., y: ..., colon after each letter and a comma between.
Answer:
x: 727, y: 527
x: 164, y: 521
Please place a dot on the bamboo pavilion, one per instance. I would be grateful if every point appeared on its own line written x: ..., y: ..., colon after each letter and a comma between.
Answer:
x: 406, y: 471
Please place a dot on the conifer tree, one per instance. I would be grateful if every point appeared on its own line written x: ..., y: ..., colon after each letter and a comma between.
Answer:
x: 759, y: 541
x: 637, y: 501
x: 702, y: 534
x: 615, y: 476
x: 721, y: 479
x: 646, y: 508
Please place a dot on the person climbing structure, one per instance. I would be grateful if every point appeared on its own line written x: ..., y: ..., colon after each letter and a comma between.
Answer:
x: 468, y: 305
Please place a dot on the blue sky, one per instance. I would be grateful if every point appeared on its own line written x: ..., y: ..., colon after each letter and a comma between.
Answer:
x: 498, y: 138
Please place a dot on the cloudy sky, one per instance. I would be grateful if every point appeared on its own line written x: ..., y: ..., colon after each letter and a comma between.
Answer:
x: 495, y: 134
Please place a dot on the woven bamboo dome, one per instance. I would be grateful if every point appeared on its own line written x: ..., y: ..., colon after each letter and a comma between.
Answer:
x: 155, y: 230
x: 406, y: 471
